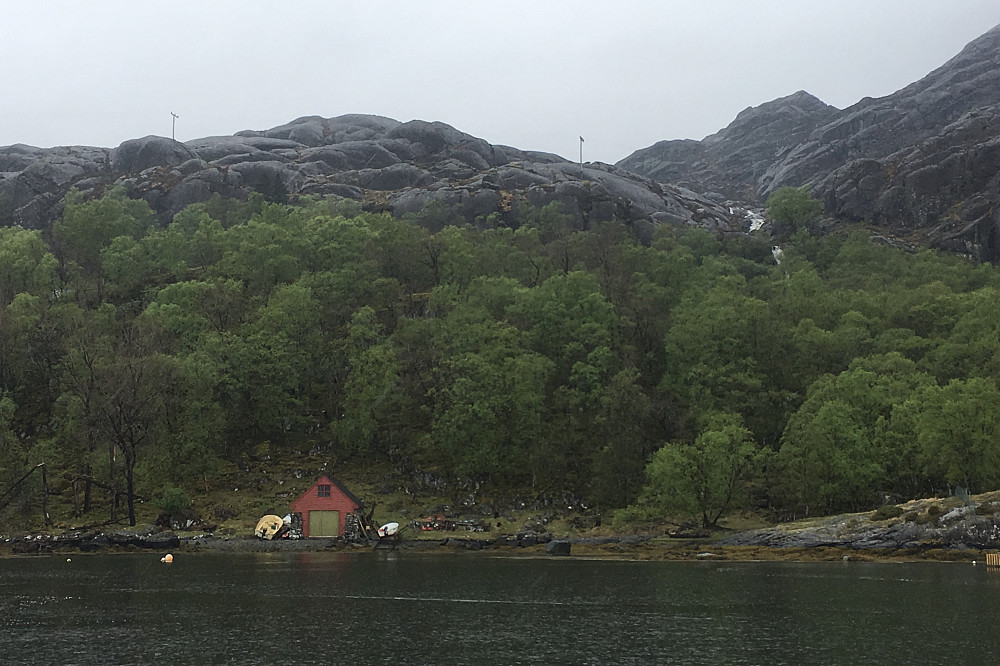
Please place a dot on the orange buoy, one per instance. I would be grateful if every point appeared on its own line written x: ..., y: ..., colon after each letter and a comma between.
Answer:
x: 168, y: 558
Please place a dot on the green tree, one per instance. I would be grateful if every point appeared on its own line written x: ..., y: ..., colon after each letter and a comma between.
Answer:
x: 793, y: 206
x: 204, y: 234
x: 117, y: 393
x: 555, y: 231
x: 435, y: 216
x: 174, y: 502
x: 832, y: 455
x: 718, y: 348
x: 85, y: 340
x: 707, y: 477
x: 621, y: 429
x: 969, y: 342
x: 188, y: 310
x: 487, y: 398
x: 26, y: 265
x: 957, y: 428
x: 371, y: 396
x: 268, y: 250
x: 131, y: 267
x: 193, y: 425
x: 564, y: 319
x: 259, y: 386
x: 11, y: 459
x: 87, y: 228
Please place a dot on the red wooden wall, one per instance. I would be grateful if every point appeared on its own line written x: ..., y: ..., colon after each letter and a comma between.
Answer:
x: 340, y: 500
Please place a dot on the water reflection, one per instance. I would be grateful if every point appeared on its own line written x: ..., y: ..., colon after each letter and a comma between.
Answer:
x: 455, y: 609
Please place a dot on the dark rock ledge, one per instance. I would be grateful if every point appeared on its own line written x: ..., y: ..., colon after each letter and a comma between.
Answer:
x: 89, y: 541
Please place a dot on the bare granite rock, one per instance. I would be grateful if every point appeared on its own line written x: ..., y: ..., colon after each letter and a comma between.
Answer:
x: 925, y: 158
x: 960, y: 528
x: 383, y: 164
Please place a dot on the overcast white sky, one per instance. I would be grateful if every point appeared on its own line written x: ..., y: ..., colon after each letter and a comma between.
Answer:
x: 531, y: 74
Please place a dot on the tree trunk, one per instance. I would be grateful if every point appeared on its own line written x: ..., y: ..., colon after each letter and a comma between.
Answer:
x: 45, y: 496
x: 130, y: 488
x: 113, y: 483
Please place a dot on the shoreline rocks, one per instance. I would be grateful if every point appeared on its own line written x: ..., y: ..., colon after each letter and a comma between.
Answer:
x: 921, y: 526
x: 149, y: 539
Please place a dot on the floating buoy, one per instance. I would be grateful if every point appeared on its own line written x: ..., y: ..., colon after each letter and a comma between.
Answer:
x: 168, y: 558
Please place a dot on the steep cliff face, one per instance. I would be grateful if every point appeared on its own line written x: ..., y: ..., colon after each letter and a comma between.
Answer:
x: 384, y: 164
x: 922, y: 161
x: 733, y: 161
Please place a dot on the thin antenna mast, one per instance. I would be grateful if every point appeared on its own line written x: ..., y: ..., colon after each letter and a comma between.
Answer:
x: 581, y: 157
x: 173, y: 125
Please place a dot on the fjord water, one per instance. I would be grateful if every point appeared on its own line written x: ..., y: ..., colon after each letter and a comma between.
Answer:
x: 416, y: 608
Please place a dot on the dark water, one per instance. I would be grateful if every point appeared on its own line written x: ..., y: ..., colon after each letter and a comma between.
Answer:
x: 411, y: 608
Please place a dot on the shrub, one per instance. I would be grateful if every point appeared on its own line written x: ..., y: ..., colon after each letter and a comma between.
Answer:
x: 793, y: 205
x: 886, y: 512
x: 174, y: 502
x: 933, y: 512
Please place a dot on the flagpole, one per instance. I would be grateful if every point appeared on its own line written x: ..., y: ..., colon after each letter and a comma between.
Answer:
x: 581, y: 157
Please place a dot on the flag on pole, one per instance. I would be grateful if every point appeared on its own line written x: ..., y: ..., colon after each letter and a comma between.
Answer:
x: 581, y: 139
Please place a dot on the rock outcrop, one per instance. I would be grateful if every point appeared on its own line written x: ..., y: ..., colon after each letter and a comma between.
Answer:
x: 734, y: 161
x: 918, y: 527
x: 922, y: 161
x: 90, y: 541
x: 383, y: 164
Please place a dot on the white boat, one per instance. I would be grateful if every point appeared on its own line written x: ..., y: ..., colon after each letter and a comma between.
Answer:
x: 387, y: 530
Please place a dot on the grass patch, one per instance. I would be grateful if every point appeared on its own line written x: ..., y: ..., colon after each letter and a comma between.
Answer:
x: 987, y: 509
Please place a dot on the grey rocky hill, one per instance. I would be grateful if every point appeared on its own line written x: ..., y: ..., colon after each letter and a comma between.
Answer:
x: 923, y: 162
x: 733, y: 161
x: 383, y: 164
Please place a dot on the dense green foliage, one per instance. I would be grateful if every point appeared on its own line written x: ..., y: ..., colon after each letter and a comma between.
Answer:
x: 689, y: 376
x: 792, y: 206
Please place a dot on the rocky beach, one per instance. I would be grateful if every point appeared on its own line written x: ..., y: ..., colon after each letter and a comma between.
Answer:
x: 939, y: 529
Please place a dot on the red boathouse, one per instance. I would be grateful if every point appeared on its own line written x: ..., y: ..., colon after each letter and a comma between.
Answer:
x: 324, y: 508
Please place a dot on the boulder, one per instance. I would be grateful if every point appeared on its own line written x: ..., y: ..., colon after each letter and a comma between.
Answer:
x: 17, y: 157
x: 128, y: 537
x: 30, y: 544
x: 136, y: 155
x: 75, y: 538
x: 162, y: 541
x: 558, y: 547
x: 306, y: 131
x: 214, y: 148
x: 95, y: 543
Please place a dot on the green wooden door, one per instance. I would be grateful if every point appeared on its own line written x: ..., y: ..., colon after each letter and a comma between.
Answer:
x: 324, y: 523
